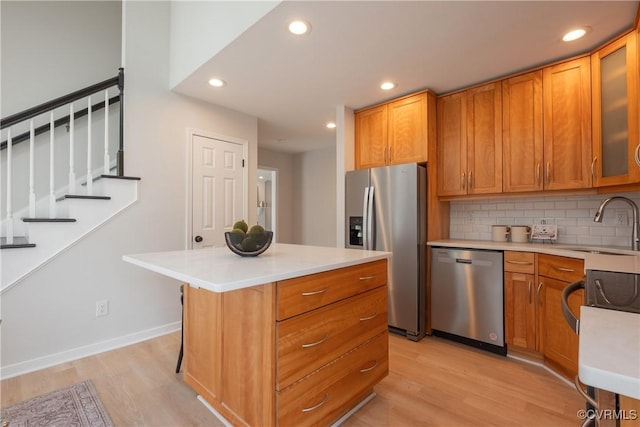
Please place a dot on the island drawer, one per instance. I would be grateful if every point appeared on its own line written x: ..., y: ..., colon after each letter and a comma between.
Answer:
x: 520, y: 262
x: 322, y: 397
x: 309, y: 341
x: 302, y: 294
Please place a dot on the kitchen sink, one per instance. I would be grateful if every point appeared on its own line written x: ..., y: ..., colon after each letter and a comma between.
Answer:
x: 595, y: 251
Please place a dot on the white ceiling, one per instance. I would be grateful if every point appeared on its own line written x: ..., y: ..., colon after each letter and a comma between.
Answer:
x: 294, y: 84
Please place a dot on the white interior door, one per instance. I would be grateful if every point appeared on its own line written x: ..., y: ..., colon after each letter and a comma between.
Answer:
x: 217, y: 189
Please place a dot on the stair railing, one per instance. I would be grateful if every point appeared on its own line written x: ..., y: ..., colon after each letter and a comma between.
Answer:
x: 69, y: 120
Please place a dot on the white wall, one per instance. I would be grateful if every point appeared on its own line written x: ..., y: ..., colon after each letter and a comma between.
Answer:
x: 201, y: 29
x: 39, y: 63
x: 283, y: 162
x: 50, y: 316
x: 315, y: 198
x: 51, y: 48
x: 572, y: 214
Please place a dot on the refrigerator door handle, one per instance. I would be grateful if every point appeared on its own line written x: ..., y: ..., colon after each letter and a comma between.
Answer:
x: 364, y: 217
x: 370, y: 224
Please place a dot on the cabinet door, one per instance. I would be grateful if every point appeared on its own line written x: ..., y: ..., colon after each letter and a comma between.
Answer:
x: 615, y: 110
x: 371, y: 137
x: 452, y: 145
x: 522, y: 132
x: 408, y: 130
x: 484, y: 139
x: 519, y: 307
x: 567, y: 125
x: 559, y: 341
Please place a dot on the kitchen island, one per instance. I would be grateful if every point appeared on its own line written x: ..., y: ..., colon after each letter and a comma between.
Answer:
x: 296, y: 336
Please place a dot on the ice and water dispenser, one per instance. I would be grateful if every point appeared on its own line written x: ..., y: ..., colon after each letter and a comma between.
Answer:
x: 355, y: 230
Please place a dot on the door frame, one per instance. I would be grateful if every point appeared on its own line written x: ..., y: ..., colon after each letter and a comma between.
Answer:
x: 274, y: 198
x: 191, y: 132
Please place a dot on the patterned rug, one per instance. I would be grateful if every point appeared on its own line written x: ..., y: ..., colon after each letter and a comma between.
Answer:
x: 74, y: 406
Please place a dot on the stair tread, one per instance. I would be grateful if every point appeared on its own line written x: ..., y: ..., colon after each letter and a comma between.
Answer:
x: 44, y: 219
x: 82, y: 196
x: 135, y: 178
x: 18, y: 242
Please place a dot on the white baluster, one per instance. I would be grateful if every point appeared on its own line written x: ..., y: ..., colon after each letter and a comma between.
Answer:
x: 32, y: 191
x: 107, y: 161
x: 89, y: 176
x: 9, y: 219
x: 52, y: 188
x: 72, y: 172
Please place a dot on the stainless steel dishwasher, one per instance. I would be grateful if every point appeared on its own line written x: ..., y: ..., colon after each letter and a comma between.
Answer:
x: 467, y: 297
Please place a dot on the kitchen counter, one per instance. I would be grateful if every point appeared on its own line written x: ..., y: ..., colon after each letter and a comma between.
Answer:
x: 628, y: 261
x: 610, y: 350
x: 220, y: 270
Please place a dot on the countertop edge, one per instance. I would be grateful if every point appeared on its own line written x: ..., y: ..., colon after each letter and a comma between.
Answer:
x: 232, y: 285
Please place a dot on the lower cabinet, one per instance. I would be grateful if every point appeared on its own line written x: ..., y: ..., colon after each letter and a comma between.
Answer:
x: 558, y: 343
x: 533, y: 307
x: 302, y: 351
x: 520, y: 300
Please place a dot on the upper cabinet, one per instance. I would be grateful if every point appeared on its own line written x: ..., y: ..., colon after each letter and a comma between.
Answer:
x: 616, y: 142
x: 470, y: 141
x: 395, y: 132
x: 522, y: 132
x: 371, y: 137
x: 567, y: 125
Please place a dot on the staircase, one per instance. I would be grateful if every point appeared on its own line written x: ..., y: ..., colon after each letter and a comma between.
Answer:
x: 34, y: 234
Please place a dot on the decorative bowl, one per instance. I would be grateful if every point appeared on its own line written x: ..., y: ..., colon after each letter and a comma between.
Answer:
x: 248, y: 244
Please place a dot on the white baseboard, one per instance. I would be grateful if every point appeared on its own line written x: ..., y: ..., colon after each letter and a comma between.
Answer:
x: 88, y: 350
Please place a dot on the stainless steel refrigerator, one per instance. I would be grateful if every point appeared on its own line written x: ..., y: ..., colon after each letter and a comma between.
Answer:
x: 386, y: 210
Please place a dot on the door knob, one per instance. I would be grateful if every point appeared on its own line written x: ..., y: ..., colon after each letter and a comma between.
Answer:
x: 198, y: 239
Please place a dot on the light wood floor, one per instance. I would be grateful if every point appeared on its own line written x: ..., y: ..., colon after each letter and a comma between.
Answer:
x: 434, y: 382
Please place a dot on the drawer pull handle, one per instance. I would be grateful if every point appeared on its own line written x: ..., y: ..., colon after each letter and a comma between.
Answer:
x: 519, y: 262
x: 362, y: 319
x: 321, y: 291
x: 567, y: 270
x: 367, y: 277
x: 313, y: 344
x: 375, y: 363
x: 314, y: 407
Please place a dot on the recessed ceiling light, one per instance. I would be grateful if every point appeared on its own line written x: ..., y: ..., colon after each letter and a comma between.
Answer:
x: 299, y: 27
x: 575, y: 34
x: 217, y: 82
x: 387, y: 85
x: 331, y: 125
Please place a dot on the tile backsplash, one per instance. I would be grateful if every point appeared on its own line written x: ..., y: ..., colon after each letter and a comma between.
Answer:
x: 472, y: 220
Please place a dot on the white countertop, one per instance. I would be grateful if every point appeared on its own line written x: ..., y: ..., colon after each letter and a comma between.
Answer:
x: 628, y: 261
x: 220, y: 270
x: 609, y: 354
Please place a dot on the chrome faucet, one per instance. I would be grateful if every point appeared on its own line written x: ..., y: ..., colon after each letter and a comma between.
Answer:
x: 635, y: 242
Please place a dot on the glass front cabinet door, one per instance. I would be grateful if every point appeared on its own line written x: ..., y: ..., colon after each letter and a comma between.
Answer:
x: 616, y: 141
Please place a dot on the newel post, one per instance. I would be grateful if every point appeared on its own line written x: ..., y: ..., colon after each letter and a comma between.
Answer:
x: 121, y: 146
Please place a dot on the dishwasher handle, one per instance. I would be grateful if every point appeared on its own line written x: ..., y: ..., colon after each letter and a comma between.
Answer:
x: 571, y: 318
x: 463, y: 261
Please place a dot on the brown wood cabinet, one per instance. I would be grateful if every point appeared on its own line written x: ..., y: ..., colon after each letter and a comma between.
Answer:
x: 558, y: 342
x: 301, y: 351
x: 522, y: 132
x: 520, y: 300
x: 470, y: 141
x: 395, y: 132
x: 567, y: 125
x: 616, y: 138
x: 371, y: 139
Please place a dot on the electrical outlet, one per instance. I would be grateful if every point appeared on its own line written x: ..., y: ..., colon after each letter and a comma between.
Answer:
x: 621, y: 218
x: 102, y: 308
